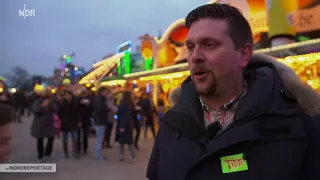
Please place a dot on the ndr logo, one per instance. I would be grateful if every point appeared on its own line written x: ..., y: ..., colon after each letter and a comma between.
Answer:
x: 26, y: 12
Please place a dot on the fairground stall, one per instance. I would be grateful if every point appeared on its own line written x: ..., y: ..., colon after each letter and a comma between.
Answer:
x: 285, y: 29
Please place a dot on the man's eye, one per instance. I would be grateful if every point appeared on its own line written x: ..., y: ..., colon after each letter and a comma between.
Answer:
x: 209, y: 45
x: 190, y: 47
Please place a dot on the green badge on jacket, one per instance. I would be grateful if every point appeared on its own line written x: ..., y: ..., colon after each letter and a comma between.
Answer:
x: 234, y: 163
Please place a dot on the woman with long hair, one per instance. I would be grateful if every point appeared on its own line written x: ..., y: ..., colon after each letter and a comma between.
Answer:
x: 125, y: 125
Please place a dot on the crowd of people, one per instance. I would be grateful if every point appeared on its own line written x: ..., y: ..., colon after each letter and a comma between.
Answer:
x: 73, y: 117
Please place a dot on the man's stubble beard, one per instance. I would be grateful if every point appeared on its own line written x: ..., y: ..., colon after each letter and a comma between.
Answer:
x: 211, y: 88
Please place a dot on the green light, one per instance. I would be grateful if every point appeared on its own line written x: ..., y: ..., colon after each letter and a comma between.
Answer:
x: 149, y: 63
x: 303, y: 38
x: 68, y: 59
x: 119, y: 67
x: 127, y: 62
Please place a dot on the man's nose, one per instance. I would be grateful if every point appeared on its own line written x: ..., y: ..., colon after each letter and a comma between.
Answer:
x: 196, y: 55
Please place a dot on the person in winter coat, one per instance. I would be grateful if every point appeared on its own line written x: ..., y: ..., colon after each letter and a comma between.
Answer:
x: 113, y: 109
x: 101, y: 112
x: 43, y: 124
x: 239, y: 116
x: 5, y: 131
x: 69, y: 123
x: 84, y: 113
x: 137, y: 125
x: 21, y: 103
x: 125, y: 125
x: 147, y: 110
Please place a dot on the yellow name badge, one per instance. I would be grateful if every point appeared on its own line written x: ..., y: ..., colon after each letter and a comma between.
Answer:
x: 234, y: 163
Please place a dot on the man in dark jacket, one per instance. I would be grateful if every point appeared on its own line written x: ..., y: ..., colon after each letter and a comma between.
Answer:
x: 84, y: 114
x: 236, y: 119
x: 100, y: 119
x: 20, y: 101
x: 147, y: 113
x: 69, y: 123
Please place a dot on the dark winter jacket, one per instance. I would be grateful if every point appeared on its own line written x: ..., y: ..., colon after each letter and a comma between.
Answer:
x: 146, y: 108
x: 20, y: 100
x: 100, y: 111
x: 275, y: 134
x: 68, y: 115
x: 84, y: 111
x: 126, y: 122
x: 43, y: 123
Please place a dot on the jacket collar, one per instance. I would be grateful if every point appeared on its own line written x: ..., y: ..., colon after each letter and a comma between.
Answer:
x: 272, y: 87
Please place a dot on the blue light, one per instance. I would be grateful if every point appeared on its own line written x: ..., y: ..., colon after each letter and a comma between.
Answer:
x: 115, y: 116
x: 147, y: 88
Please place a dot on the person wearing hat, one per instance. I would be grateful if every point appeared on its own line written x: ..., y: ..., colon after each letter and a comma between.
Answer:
x: 5, y: 131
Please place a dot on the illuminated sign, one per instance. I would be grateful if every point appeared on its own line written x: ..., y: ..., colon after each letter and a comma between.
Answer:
x: 127, y: 46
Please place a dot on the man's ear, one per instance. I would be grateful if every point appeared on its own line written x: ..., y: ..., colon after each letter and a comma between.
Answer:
x: 246, y: 54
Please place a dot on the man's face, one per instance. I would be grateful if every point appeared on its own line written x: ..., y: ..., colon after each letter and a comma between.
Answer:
x: 212, y: 59
x: 5, y: 139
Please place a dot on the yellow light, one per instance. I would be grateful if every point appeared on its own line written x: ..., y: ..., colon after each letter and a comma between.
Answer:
x: 112, y: 59
x: 288, y: 46
x: 76, y: 68
x: 66, y: 81
x: 1, y: 89
x: 310, y: 82
x: 113, y: 83
x: 13, y: 90
x: 53, y: 91
x: 286, y: 60
x: 166, y: 87
x: 91, y: 81
x: 158, y: 70
x: 305, y: 59
x: 100, y: 71
x: 166, y: 76
x: 88, y: 85
x: 135, y: 82
x: 146, y: 53
x: 136, y: 89
x: 94, y: 89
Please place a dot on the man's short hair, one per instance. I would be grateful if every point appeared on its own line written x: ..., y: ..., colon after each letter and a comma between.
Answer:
x: 239, y: 28
x: 6, y: 112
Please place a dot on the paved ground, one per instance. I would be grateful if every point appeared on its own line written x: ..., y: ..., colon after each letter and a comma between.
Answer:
x: 86, y: 168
